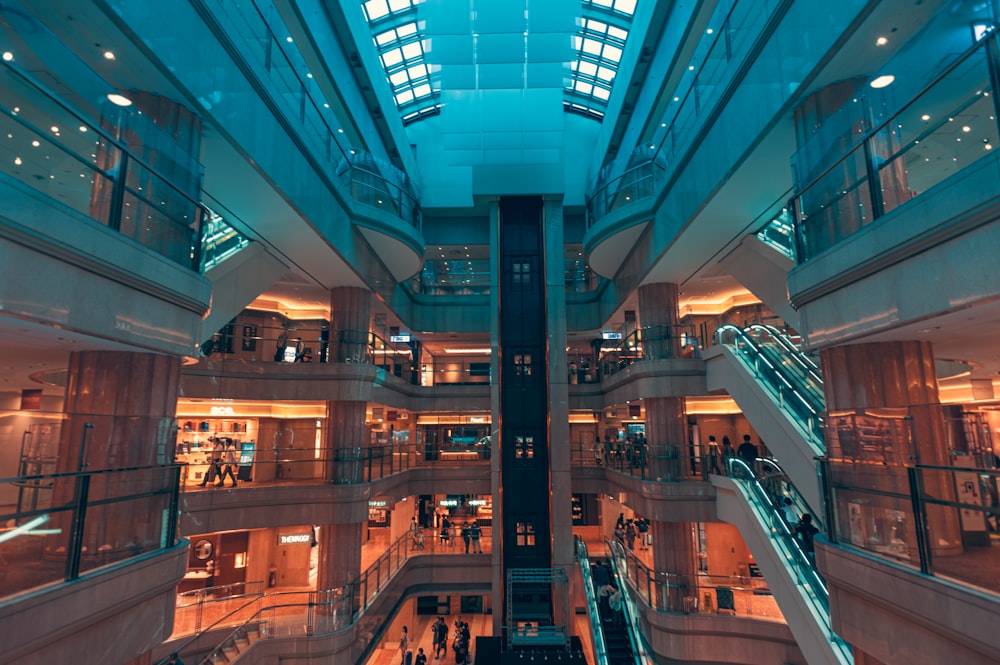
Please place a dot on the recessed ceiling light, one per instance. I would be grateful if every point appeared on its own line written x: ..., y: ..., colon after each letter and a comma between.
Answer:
x: 7, y: 56
x: 925, y: 117
x: 109, y: 55
x: 882, y: 81
x: 119, y: 100
x: 881, y: 41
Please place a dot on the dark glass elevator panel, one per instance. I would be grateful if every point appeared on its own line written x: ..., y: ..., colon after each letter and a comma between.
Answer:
x: 524, y: 451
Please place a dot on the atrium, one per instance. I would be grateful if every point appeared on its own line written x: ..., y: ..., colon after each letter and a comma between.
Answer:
x: 608, y: 331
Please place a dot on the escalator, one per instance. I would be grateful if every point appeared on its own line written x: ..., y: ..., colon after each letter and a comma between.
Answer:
x: 616, y: 639
x: 743, y: 500
x: 779, y: 390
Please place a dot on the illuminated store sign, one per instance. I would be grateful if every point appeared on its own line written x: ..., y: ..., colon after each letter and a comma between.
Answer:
x: 223, y: 411
x: 294, y: 538
x: 378, y: 503
x: 611, y: 335
x: 400, y: 339
x: 476, y: 502
x: 448, y: 503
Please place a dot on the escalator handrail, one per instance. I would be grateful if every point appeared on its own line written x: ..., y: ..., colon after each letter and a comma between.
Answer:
x: 798, y: 500
x: 600, y: 646
x: 779, y: 380
x: 740, y: 471
x: 809, y: 373
x: 640, y: 656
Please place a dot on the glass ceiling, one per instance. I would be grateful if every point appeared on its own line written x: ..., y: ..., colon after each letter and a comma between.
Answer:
x: 599, y: 43
x: 401, y: 50
x: 604, y: 28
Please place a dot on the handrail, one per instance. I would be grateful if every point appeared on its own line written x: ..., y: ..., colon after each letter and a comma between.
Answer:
x: 804, y: 403
x: 876, y: 128
x: 741, y: 472
x: 640, y: 656
x: 600, y: 646
x: 788, y: 488
x: 170, y: 659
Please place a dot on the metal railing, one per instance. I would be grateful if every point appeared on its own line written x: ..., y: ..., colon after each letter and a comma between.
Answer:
x: 938, y: 520
x: 61, y: 153
x: 798, y: 398
x: 903, y: 156
x: 73, y: 524
x: 257, y: 29
x: 691, y: 594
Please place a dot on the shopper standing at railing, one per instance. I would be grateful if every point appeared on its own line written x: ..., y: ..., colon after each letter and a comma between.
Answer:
x: 713, y: 455
x: 728, y: 452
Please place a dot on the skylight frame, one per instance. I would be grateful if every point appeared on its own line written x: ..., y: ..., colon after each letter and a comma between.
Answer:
x: 399, y: 43
x: 600, y: 44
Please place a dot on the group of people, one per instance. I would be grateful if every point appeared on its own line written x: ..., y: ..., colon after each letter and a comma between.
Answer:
x: 223, y: 463
x: 609, y: 597
x: 470, y: 532
x: 439, y: 629
x: 632, y: 449
x: 627, y: 530
x: 718, y: 456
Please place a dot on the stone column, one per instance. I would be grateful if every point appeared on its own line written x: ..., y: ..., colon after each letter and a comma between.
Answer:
x: 339, y: 555
x: 674, y: 554
x: 120, y: 409
x: 868, y: 389
x: 659, y: 318
x: 346, y: 441
x: 350, y: 322
x: 668, y: 457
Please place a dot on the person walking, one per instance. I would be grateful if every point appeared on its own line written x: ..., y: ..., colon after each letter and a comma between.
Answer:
x: 421, y: 658
x: 215, y: 462
x: 630, y: 534
x: 476, y: 532
x: 466, y: 536
x: 728, y: 452
x: 229, y: 468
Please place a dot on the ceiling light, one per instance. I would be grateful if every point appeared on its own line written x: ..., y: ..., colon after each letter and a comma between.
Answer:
x: 470, y: 352
x: 882, y: 81
x: 109, y: 55
x: 17, y: 161
x: 119, y: 100
x: 881, y: 41
x: 7, y: 56
x: 966, y: 129
x: 925, y: 117
x: 709, y: 31
x: 83, y: 128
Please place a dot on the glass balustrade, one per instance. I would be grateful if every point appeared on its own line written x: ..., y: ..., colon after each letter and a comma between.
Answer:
x: 945, y: 129
x: 67, y: 525
x: 785, y: 384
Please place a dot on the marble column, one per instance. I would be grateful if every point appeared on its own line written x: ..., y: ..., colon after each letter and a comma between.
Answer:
x: 350, y: 322
x: 869, y: 388
x: 659, y: 317
x: 346, y: 440
x: 120, y: 409
x: 674, y: 553
x: 339, y: 555
x: 668, y: 457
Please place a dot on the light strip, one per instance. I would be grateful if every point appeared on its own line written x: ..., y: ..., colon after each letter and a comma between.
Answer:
x: 470, y: 352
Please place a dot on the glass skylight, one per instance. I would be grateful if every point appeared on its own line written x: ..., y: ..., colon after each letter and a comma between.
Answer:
x: 401, y: 51
x: 599, y: 44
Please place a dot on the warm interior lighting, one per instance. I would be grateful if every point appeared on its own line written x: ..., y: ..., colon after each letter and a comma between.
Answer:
x: 469, y: 352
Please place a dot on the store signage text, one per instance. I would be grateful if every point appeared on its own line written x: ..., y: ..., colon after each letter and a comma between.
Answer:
x: 294, y: 538
x: 223, y: 411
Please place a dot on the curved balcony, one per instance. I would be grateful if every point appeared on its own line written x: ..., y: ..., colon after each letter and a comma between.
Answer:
x: 618, y: 212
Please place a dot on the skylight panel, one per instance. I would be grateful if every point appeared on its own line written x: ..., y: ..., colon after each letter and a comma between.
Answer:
x: 599, y: 43
x: 397, y: 39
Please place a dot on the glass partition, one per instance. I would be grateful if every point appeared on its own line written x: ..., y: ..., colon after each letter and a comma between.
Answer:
x: 66, y: 525
x: 942, y: 521
x: 947, y: 127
